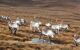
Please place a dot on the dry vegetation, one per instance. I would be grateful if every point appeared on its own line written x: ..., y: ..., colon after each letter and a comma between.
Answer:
x: 69, y: 14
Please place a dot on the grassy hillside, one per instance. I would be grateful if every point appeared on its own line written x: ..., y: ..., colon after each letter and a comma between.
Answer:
x: 40, y: 2
x: 66, y: 10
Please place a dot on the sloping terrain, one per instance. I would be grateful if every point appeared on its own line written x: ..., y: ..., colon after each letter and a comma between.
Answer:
x: 46, y: 10
x: 40, y: 2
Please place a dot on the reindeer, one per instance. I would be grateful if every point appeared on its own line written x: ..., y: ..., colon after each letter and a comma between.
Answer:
x: 76, y: 39
x: 48, y: 24
x: 35, y: 25
x: 65, y: 26
x: 48, y: 32
x: 5, y: 18
x: 20, y: 21
x: 60, y: 26
x: 13, y: 27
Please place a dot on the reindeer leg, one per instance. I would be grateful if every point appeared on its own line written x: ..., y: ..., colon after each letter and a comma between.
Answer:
x: 15, y: 31
x: 12, y: 32
x: 75, y: 43
x: 11, y: 29
x: 58, y: 31
x: 30, y: 27
x: 40, y: 35
x: 33, y: 29
x: 50, y: 39
x: 39, y: 29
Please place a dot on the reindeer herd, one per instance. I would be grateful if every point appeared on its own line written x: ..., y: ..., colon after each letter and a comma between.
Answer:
x: 49, y: 29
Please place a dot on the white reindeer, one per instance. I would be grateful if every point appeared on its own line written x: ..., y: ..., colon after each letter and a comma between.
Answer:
x: 48, y: 24
x: 48, y: 32
x: 23, y: 21
x: 56, y: 28
x: 76, y: 39
x: 20, y: 21
x: 35, y: 25
x: 13, y: 27
x: 65, y: 26
x: 5, y: 18
x: 59, y: 27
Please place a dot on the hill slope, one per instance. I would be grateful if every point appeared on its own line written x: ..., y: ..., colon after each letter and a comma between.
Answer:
x: 40, y: 2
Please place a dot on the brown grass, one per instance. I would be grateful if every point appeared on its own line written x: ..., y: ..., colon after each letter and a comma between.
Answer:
x: 22, y: 40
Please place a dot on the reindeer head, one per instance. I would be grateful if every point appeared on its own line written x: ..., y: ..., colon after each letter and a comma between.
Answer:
x: 69, y: 25
x: 76, y: 36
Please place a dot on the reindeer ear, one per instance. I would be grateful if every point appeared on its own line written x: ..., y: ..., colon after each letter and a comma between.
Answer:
x: 75, y: 35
